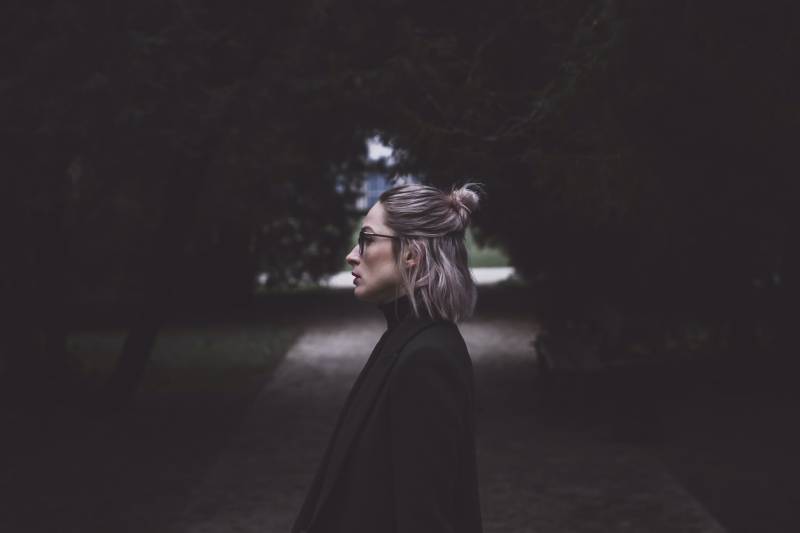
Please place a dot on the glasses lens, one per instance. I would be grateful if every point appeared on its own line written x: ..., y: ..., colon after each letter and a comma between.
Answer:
x: 360, y: 243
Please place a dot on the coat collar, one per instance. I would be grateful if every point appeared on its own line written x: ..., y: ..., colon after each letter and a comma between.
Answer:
x: 363, y: 402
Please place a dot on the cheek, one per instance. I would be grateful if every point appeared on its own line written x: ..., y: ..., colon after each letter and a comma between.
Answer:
x: 381, y: 269
x: 386, y: 274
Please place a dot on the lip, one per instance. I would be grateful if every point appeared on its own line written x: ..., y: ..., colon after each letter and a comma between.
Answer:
x: 355, y: 275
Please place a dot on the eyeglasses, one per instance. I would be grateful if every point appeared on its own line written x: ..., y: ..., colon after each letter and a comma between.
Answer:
x: 364, y: 237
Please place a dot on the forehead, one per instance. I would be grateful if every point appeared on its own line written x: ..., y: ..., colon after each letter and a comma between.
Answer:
x: 373, y: 220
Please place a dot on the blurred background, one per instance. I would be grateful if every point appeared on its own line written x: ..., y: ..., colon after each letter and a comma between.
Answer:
x: 182, y: 180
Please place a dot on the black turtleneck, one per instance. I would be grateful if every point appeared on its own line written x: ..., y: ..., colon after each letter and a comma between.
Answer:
x: 397, y: 310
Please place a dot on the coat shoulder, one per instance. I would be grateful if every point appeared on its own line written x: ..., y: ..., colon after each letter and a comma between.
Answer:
x: 440, y: 340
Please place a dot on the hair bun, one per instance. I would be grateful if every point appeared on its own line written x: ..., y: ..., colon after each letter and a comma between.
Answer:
x: 465, y: 201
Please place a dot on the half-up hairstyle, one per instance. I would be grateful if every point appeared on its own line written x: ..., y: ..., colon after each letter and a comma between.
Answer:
x: 431, y: 225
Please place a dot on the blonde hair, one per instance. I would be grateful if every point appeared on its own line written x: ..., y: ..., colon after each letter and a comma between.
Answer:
x: 431, y: 225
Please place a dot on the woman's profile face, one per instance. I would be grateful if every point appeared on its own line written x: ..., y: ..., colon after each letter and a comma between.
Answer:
x: 376, y: 277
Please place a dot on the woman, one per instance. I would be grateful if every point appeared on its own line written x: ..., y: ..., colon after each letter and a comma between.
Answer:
x: 402, y: 455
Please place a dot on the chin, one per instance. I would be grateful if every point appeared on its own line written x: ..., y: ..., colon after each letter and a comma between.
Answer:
x: 358, y: 292
x: 364, y: 296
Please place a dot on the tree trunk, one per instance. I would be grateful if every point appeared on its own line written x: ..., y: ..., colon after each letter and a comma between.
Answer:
x: 162, y: 283
x: 37, y: 367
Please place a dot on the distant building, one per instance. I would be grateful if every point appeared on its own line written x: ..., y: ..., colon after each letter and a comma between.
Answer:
x: 374, y: 184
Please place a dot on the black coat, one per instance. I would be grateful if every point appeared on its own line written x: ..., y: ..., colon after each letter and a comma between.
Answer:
x: 402, y: 455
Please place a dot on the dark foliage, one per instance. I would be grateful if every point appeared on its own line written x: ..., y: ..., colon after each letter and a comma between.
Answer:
x: 638, y: 155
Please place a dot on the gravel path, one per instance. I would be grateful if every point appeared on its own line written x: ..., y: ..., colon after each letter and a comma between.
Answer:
x: 533, y: 478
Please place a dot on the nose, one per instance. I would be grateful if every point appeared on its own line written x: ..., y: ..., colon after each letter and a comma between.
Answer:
x: 353, y: 257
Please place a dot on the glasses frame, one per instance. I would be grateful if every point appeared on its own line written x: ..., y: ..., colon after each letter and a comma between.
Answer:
x: 362, y: 241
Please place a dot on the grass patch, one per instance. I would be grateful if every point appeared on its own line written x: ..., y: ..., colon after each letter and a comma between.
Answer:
x: 485, y: 256
x: 192, y: 359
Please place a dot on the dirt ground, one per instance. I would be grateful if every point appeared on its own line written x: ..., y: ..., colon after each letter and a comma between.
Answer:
x: 242, y: 460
